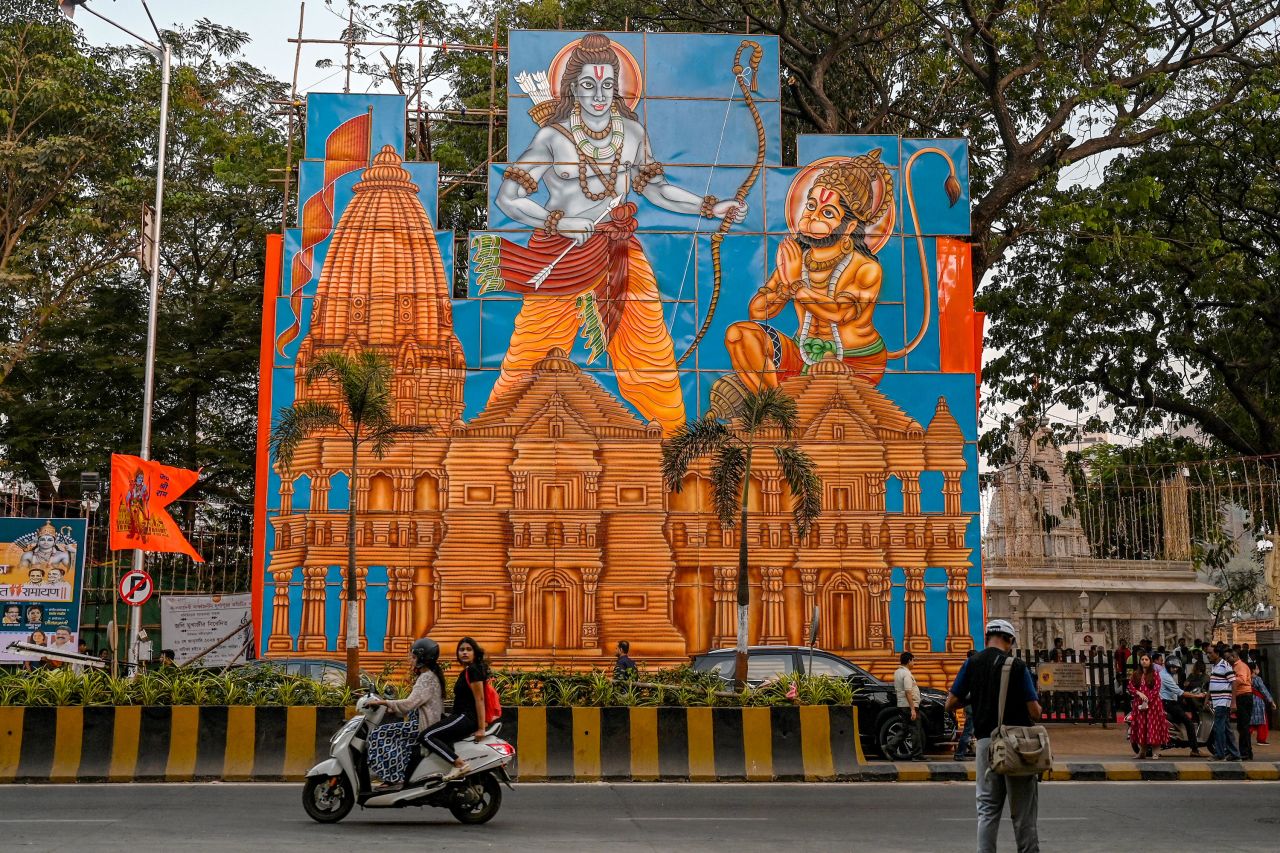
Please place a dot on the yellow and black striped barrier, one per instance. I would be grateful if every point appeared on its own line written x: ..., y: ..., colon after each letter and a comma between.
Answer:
x: 240, y: 743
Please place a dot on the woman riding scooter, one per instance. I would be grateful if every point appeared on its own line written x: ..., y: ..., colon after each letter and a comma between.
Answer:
x: 390, y: 745
x: 468, y: 717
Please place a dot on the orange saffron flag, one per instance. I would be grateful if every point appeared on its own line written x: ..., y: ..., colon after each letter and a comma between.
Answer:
x: 140, y: 491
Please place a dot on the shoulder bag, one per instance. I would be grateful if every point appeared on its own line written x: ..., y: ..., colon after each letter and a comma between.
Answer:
x: 1017, y: 750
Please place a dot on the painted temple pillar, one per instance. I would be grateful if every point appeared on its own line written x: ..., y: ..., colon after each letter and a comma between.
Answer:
x: 280, y: 640
x: 361, y: 573
x: 724, y: 596
x: 518, y: 635
x: 958, y: 638
x: 910, y: 492
x: 400, y: 633
x: 880, y: 635
x: 590, y: 625
x: 951, y: 492
x: 286, y: 496
x: 809, y: 589
x: 772, y: 624
x: 311, y: 637
x: 915, y: 630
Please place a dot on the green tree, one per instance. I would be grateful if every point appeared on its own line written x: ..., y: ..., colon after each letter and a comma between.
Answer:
x: 361, y: 386
x: 1153, y: 295
x: 764, y: 418
x: 75, y: 394
x: 69, y: 144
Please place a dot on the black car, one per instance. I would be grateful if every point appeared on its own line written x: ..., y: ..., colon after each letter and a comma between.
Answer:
x: 882, y: 727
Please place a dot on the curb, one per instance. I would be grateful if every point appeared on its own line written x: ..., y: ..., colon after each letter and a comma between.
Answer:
x: 1083, y: 771
x: 815, y: 743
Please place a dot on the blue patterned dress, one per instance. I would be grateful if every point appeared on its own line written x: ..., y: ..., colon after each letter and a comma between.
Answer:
x: 391, y: 743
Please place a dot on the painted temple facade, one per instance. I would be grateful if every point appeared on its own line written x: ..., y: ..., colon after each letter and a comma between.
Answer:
x: 535, y: 518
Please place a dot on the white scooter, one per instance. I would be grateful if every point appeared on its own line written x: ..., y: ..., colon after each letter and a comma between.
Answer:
x: 337, y: 784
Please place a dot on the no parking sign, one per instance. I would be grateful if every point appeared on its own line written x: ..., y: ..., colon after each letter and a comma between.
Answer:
x: 136, y: 587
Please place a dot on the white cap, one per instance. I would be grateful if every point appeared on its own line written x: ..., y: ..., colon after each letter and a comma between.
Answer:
x: 1000, y: 626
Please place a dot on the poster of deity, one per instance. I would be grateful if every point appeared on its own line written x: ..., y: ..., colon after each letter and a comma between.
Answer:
x: 41, y: 575
x: 648, y: 260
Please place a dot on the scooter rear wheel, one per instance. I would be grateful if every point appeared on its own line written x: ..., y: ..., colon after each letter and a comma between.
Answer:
x: 328, y: 803
x: 486, y: 806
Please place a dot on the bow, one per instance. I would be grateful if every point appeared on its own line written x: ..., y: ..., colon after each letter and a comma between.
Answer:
x: 746, y: 77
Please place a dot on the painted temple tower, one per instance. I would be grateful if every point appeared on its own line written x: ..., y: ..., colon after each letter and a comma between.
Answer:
x: 382, y: 288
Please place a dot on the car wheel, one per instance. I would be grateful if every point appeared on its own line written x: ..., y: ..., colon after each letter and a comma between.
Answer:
x: 895, y: 739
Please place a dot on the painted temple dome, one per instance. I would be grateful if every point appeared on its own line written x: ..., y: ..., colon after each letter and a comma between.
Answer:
x: 383, y: 281
x: 384, y: 287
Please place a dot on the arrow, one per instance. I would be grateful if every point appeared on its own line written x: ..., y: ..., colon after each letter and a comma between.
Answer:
x: 545, y: 273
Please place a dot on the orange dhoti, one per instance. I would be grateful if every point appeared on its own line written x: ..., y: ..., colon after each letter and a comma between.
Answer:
x: 606, y: 289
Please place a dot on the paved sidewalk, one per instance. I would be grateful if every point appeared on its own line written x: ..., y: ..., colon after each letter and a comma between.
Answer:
x: 1092, y: 753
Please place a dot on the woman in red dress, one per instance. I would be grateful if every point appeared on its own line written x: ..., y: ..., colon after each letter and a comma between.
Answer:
x: 1149, y: 728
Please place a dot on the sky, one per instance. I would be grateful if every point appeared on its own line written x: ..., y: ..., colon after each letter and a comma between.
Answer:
x: 269, y: 23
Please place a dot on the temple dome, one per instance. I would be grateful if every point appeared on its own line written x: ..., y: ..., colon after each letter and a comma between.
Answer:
x: 383, y: 287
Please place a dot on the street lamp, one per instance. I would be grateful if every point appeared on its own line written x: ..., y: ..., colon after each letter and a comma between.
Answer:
x: 160, y: 49
x: 1014, y: 600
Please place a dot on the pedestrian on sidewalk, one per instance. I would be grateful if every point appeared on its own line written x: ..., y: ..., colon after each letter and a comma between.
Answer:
x: 1242, y: 692
x: 904, y: 684
x: 1221, y: 680
x: 624, y: 668
x: 1147, y: 727
x: 1263, y: 704
x: 978, y: 684
x: 964, y: 746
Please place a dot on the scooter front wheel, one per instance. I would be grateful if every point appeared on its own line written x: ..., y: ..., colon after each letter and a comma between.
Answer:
x: 328, y: 799
x: 481, y: 803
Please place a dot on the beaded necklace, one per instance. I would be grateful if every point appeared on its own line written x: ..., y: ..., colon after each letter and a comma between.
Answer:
x: 838, y: 345
x: 583, y: 135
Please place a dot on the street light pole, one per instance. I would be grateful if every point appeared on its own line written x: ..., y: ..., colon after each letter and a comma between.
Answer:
x: 149, y: 370
x: 164, y: 55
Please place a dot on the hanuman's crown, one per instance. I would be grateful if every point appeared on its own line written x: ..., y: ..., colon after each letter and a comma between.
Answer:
x: 854, y: 179
x: 47, y: 529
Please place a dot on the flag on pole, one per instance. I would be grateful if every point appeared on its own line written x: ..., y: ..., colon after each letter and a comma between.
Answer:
x: 140, y: 491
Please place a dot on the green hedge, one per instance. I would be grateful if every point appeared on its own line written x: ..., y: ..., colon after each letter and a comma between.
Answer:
x: 265, y: 685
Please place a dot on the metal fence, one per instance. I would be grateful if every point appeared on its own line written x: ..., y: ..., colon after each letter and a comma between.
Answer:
x: 222, y: 533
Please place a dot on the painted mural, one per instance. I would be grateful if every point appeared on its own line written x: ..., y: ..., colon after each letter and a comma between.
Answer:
x: 648, y: 260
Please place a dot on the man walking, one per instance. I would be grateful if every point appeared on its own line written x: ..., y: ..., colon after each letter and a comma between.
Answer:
x: 978, y: 683
x: 904, y: 684
x: 1221, y: 681
x: 624, y: 668
x: 1242, y: 693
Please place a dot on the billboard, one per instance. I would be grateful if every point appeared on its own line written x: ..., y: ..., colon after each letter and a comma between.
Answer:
x: 41, y: 582
x: 649, y: 259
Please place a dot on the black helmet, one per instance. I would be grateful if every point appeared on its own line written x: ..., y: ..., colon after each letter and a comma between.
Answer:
x: 425, y: 651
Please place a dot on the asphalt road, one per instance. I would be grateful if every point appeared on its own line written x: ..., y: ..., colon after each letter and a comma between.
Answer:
x: 930, y: 816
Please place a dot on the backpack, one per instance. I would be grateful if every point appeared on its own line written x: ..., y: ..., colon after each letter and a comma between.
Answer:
x: 492, y: 704
x: 1017, y: 750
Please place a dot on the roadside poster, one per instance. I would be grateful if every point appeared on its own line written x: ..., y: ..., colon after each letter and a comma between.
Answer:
x: 41, y: 581
x: 190, y: 624
x: 1084, y: 640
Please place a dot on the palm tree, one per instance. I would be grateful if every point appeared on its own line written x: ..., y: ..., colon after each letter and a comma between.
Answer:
x: 364, y: 391
x: 730, y: 447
